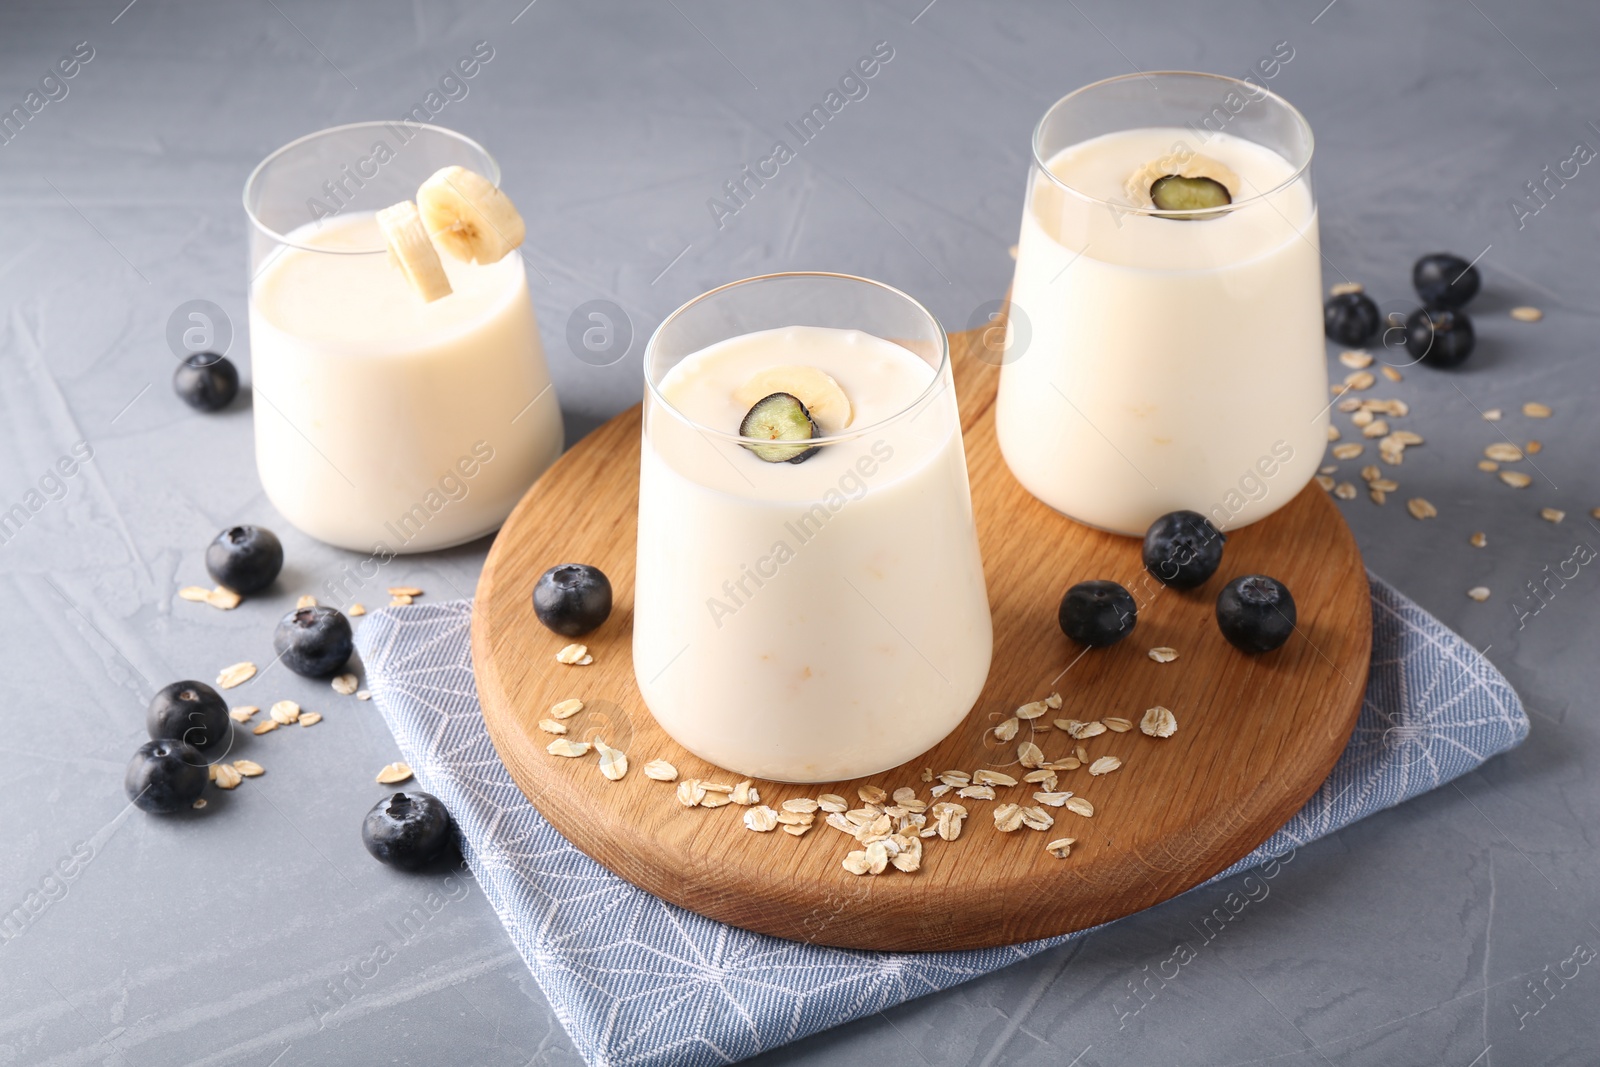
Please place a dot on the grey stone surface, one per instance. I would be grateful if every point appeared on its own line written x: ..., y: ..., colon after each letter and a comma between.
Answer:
x: 1414, y: 937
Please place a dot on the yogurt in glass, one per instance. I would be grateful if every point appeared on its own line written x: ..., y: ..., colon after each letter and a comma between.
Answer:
x: 385, y: 422
x: 818, y: 620
x: 1175, y: 357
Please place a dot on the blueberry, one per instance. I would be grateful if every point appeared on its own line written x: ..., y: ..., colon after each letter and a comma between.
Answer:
x: 1182, y: 549
x: 1176, y: 193
x: 206, y: 381
x: 408, y: 830
x: 165, y: 776
x: 246, y: 559
x: 572, y: 599
x: 1255, y: 613
x: 314, y: 642
x: 1097, y: 613
x: 1439, y: 337
x: 191, y: 712
x: 1445, y: 281
x: 782, y: 420
x: 1350, y: 318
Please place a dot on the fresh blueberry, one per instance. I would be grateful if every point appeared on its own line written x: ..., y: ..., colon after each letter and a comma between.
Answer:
x: 408, y: 830
x: 314, y: 642
x: 572, y: 599
x: 1177, y: 193
x: 1255, y: 613
x: 206, y: 381
x: 1350, y: 318
x: 1097, y: 613
x: 165, y: 776
x: 191, y: 712
x: 777, y: 427
x: 1182, y: 549
x: 1439, y: 337
x: 1445, y: 281
x: 246, y: 559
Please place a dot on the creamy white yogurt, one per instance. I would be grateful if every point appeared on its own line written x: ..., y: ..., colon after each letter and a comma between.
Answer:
x: 381, y: 420
x: 1172, y: 364
x: 810, y: 621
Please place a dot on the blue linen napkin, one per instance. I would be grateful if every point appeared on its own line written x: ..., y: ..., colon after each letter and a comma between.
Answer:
x: 638, y: 981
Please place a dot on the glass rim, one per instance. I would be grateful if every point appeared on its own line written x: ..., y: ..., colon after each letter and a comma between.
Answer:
x: 1256, y: 91
x: 933, y: 387
x: 298, y: 142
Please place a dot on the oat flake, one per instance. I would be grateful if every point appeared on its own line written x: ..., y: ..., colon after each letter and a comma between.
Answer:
x: 1080, y: 806
x: 613, y: 761
x: 1504, y: 451
x: 237, y: 674
x: 1156, y: 722
x: 223, y: 598
x: 987, y: 777
x: 660, y: 770
x: 395, y: 772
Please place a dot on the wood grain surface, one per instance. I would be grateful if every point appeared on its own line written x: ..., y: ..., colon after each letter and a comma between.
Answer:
x: 1256, y: 735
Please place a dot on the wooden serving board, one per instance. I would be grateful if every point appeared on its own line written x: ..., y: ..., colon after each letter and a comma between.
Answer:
x: 1256, y: 735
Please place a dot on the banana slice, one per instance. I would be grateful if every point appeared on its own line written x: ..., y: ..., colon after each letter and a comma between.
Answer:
x: 412, y: 252
x: 821, y: 395
x: 465, y: 213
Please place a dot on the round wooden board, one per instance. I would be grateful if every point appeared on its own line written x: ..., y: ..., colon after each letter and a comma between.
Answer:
x: 1256, y: 735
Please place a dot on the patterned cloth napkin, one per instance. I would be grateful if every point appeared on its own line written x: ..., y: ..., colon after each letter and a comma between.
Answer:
x: 636, y: 980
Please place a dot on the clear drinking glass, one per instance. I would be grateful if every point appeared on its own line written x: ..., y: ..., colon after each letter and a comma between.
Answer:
x: 383, y: 423
x: 1176, y: 357
x: 818, y: 620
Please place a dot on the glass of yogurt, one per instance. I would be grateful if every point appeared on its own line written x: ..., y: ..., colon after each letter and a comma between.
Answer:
x: 395, y: 411
x: 810, y: 602
x: 1169, y: 274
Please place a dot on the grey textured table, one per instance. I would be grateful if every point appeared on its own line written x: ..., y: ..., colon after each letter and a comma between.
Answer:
x: 1456, y: 930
